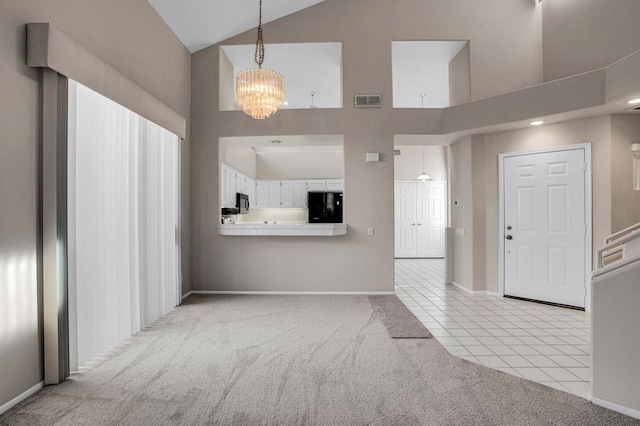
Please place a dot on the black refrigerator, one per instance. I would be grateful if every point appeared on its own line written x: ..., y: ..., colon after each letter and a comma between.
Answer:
x: 325, y: 207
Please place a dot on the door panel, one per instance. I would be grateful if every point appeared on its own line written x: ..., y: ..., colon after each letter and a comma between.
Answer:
x: 405, y: 221
x: 430, y: 219
x: 544, y: 211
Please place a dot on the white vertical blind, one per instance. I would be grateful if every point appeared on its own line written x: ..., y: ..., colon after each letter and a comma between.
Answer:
x: 123, y: 221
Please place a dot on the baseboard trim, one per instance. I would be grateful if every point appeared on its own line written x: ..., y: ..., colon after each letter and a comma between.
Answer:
x: 297, y: 293
x: 187, y: 294
x: 18, y: 399
x: 479, y: 292
x: 616, y: 407
x: 461, y: 287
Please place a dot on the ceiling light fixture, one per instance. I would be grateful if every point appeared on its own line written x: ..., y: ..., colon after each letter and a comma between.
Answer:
x: 537, y: 123
x: 634, y: 101
x: 423, y: 176
x: 259, y: 92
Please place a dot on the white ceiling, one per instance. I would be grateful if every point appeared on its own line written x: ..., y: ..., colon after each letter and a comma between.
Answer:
x: 201, y: 23
x: 306, y: 67
x: 422, y: 67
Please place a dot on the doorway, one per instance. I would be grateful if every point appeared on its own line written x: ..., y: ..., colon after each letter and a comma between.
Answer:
x: 545, y: 222
x: 420, y: 218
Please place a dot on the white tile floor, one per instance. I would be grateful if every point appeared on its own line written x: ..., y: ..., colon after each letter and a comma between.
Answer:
x: 542, y: 343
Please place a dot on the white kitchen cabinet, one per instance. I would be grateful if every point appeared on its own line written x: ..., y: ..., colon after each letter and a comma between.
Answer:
x: 335, y: 185
x: 251, y: 190
x: 227, y: 186
x: 286, y: 193
x: 241, y: 183
x: 262, y: 194
x: 316, y: 185
x: 274, y: 194
x: 300, y: 193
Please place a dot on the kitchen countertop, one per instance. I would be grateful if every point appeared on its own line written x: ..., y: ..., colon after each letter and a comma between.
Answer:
x: 283, y: 229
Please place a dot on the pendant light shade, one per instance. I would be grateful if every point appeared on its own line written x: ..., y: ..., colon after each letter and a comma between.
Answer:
x: 259, y: 93
x: 423, y: 176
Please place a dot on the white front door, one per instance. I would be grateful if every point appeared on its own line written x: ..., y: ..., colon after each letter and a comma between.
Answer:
x: 405, y: 219
x: 430, y: 216
x: 545, y: 226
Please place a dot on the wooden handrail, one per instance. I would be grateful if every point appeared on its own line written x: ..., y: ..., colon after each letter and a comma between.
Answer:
x: 619, y: 234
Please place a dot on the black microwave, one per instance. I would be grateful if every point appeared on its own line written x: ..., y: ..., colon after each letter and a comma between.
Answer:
x: 242, y: 203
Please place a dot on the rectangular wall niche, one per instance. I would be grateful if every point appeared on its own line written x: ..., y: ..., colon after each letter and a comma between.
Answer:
x: 430, y: 74
x: 312, y: 73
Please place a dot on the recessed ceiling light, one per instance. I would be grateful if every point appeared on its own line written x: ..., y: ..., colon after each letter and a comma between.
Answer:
x: 634, y: 101
x: 537, y: 123
x: 276, y: 141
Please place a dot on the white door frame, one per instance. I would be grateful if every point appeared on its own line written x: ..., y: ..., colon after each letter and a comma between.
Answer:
x: 446, y: 206
x: 588, y: 214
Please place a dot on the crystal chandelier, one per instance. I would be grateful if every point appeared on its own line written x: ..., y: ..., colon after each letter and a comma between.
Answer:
x: 259, y: 92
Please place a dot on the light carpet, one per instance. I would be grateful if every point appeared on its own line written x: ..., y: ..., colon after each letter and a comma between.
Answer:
x: 397, y: 318
x: 294, y: 360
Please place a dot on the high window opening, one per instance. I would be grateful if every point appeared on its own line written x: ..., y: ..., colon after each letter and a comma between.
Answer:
x: 430, y: 74
x: 312, y: 73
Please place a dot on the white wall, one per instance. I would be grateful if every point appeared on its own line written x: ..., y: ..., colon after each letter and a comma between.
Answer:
x: 408, y: 165
x: 422, y: 68
x: 300, y: 165
x: 242, y: 159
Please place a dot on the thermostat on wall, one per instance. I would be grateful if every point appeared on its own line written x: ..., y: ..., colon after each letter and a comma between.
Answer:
x: 372, y: 157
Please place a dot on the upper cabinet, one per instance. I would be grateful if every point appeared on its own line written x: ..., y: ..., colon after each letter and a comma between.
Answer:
x: 270, y: 193
x: 232, y: 182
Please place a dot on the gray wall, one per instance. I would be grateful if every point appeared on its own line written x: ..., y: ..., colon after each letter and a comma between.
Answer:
x: 132, y: 38
x: 459, y: 77
x: 462, y: 214
x: 625, y: 130
x: 583, y: 35
x: 505, y: 55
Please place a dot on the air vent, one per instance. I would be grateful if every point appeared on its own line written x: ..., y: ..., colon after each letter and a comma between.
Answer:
x: 367, y: 100
x: 396, y: 152
x: 634, y: 108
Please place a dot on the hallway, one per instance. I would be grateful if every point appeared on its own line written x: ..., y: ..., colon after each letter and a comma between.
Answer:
x: 546, y: 344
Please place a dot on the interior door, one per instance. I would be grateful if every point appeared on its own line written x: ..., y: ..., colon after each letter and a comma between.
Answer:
x: 405, y: 221
x: 545, y: 226
x: 430, y: 218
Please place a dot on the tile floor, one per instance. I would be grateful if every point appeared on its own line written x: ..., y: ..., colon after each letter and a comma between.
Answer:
x: 542, y: 343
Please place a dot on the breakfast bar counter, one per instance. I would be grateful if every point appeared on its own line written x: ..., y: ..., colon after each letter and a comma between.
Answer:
x: 283, y: 229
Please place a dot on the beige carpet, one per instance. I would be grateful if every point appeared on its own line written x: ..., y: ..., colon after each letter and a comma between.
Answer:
x: 294, y: 360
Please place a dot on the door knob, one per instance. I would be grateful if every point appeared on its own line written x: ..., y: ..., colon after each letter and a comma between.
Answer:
x: 509, y: 237
x: 413, y: 224
x: 419, y: 224
x: 508, y: 227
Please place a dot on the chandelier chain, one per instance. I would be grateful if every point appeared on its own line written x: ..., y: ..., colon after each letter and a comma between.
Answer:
x: 259, y: 53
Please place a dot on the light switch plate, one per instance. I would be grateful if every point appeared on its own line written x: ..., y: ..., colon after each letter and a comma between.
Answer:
x: 460, y: 232
x: 370, y: 232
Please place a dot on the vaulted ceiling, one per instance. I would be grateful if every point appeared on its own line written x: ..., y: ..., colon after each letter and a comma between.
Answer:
x: 201, y: 23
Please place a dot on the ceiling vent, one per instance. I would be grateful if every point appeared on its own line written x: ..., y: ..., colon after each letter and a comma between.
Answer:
x: 634, y: 108
x: 367, y: 100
